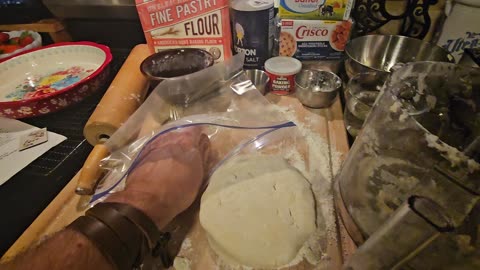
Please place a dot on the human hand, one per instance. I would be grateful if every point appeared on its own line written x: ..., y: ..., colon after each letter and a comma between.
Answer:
x: 168, y: 175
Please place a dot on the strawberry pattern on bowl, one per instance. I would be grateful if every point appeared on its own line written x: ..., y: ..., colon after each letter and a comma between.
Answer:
x: 51, y: 78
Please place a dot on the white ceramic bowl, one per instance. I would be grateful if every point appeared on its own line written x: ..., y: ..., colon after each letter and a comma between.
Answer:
x: 51, y: 78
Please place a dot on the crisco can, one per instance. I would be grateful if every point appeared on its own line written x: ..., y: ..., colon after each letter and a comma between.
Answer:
x: 253, y: 30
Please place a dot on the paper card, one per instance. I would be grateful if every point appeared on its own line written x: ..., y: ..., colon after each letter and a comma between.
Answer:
x: 12, y: 160
x: 33, y: 138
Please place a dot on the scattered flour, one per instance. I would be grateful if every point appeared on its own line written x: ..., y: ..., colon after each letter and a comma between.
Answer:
x: 396, y: 106
x: 431, y: 101
x: 136, y: 97
x: 181, y: 263
x: 452, y: 154
x: 319, y: 166
x: 422, y: 86
x: 323, y: 164
x: 186, y: 244
x: 325, y: 159
x: 417, y: 97
x: 403, y: 116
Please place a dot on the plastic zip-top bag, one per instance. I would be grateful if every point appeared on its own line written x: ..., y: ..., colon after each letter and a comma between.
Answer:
x: 229, y: 133
x: 251, y: 143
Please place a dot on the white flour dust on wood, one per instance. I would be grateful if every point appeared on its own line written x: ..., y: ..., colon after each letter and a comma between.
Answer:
x: 319, y: 165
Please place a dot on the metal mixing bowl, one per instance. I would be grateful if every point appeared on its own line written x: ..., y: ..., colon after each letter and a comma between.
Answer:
x: 174, y: 63
x: 379, y: 53
x: 317, y: 88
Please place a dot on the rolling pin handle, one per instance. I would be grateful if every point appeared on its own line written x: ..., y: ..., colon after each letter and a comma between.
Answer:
x: 91, y: 171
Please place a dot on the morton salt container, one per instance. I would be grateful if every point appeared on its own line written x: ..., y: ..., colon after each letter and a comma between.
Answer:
x: 253, y: 30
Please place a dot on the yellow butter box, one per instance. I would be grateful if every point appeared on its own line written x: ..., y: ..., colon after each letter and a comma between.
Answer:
x: 316, y: 9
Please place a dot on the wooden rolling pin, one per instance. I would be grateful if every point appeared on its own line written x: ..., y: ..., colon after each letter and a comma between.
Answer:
x: 125, y: 94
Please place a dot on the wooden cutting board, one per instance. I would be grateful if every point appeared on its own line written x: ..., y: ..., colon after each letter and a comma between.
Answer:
x: 67, y: 206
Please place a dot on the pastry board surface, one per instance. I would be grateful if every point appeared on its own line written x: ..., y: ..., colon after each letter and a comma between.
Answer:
x: 189, y: 239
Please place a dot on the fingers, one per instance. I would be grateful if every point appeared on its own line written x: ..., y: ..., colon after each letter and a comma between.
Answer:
x: 193, y: 132
x: 204, y: 148
x: 187, y: 138
x: 179, y: 145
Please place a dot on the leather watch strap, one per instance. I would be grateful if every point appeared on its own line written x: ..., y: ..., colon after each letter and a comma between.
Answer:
x: 124, y: 234
x: 127, y: 231
x: 143, y: 222
x: 104, y: 239
x: 157, y: 241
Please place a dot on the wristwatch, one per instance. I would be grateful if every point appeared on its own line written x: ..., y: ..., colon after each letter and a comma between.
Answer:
x: 123, y: 234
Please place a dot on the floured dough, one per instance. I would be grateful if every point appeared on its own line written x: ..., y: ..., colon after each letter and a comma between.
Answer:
x: 258, y: 211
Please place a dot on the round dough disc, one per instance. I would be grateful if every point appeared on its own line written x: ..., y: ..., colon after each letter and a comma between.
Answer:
x: 258, y: 211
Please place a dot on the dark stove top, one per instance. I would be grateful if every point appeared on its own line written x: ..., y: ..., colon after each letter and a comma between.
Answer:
x: 26, y: 195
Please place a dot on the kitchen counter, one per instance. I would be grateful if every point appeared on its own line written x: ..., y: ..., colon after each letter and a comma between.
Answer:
x: 67, y: 205
x: 28, y: 193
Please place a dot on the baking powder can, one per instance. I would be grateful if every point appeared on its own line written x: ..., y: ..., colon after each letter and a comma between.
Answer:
x: 253, y: 30
x: 282, y: 70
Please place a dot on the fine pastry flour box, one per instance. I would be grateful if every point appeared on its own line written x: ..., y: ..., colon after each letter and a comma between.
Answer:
x: 203, y: 24
x: 315, y: 9
x: 314, y: 39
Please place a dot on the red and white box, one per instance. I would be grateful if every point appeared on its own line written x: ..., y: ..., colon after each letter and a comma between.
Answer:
x: 314, y: 39
x: 203, y: 24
